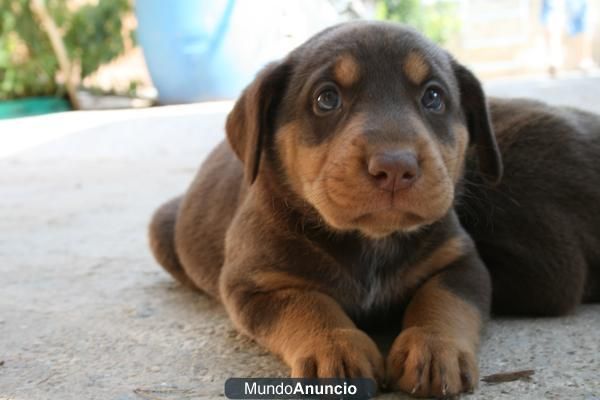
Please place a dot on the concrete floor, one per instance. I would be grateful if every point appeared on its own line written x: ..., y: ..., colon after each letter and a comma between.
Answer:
x: 85, y: 312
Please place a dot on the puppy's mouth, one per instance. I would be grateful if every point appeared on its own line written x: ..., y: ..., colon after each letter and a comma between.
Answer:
x: 381, y: 213
x: 409, y: 217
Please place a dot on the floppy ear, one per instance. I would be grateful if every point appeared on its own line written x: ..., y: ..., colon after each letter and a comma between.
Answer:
x: 252, y: 117
x: 481, y: 133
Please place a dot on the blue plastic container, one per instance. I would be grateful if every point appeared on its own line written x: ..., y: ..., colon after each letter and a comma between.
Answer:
x: 211, y: 49
x: 188, y: 52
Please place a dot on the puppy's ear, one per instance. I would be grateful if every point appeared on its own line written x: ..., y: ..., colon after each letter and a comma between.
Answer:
x: 252, y: 117
x: 481, y: 133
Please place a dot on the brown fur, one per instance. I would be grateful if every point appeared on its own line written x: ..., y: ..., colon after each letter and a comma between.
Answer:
x: 162, y: 240
x: 346, y: 70
x: 287, y: 227
x: 443, y: 256
x: 415, y: 67
x: 454, y: 155
x: 437, y: 351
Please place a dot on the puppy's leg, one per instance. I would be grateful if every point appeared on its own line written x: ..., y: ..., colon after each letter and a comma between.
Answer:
x: 436, y: 353
x: 161, y: 234
x: 307, y: 328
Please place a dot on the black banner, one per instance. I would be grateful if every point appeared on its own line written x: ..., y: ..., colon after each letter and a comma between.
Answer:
x: 290, y: 388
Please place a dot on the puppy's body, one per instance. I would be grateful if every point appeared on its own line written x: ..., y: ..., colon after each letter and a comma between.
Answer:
x: 538, y: 232
x: 368, y: 276
x: 326, y: 214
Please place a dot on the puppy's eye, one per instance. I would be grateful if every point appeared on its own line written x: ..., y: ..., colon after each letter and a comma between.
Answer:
x: 433, y: 99
x: 328, y: 99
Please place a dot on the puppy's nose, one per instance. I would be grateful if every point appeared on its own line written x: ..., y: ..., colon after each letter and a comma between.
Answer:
x: 394, y: 170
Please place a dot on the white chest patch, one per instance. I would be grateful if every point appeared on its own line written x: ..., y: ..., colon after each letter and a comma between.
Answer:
x: 378, y: 279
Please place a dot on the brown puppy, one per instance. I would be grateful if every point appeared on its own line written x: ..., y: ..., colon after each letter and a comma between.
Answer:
x: 331, y: 208
x: 538, y: 232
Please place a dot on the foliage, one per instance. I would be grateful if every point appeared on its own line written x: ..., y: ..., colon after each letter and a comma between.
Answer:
x: 28, y: 66
x: 437, y: 19
x: 94, y: 34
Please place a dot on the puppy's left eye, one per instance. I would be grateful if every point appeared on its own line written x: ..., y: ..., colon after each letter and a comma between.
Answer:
x: 433, y: 99
x: 328, y: 100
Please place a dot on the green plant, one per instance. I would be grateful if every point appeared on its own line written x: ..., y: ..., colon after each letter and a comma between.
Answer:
x: 437, y: 19
x: 91, y: 35
x: 94, y: 34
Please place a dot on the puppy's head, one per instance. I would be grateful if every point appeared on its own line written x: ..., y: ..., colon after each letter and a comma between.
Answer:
x: 369, y: 123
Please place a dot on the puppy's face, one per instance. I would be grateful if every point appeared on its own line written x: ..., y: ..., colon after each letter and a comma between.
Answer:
x: 370, y: 128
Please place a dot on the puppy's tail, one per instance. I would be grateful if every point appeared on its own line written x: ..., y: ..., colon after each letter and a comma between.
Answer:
x: 162, y: 240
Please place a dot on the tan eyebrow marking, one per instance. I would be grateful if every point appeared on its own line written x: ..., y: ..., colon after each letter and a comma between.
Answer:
x: 415, y: 67
x: 346, y: 70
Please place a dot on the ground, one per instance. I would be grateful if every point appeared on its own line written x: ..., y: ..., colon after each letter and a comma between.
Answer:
x: 86, y: 313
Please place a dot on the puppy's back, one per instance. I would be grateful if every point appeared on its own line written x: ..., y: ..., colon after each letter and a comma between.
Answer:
x: 552, y: 158
x: 539, y: 230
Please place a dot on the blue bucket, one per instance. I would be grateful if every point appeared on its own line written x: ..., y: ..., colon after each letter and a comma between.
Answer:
x: 187, y: 49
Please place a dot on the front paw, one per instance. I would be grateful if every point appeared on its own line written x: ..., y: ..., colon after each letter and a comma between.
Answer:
x: 338, y: 353
x: 426, y: 364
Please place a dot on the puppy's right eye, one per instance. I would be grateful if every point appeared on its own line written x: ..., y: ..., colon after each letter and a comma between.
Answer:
x: 433, y: 99
x: 327, y: 100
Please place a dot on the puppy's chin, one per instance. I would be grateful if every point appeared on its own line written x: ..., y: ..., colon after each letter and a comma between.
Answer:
x: 380, y: 224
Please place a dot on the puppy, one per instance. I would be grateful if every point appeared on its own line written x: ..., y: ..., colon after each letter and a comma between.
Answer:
x: 335, y: 204
x: 538, y: 232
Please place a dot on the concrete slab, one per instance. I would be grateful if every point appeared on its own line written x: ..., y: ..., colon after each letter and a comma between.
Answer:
x: 85, y: 313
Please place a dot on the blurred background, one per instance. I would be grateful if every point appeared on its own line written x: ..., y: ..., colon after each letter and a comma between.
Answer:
x: 58, y: 55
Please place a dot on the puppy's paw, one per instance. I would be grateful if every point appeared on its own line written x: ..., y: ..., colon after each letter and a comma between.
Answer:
x: 338, y: 353
x: 426, y: 364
